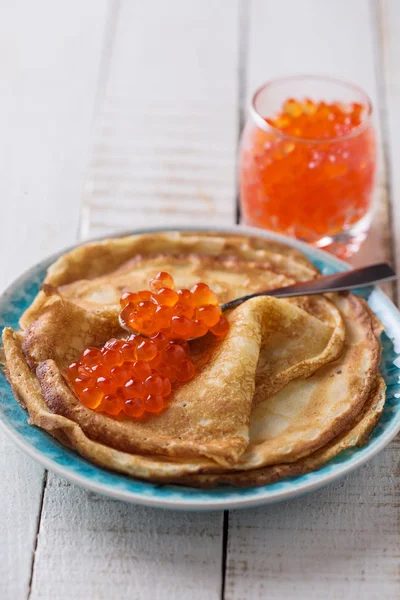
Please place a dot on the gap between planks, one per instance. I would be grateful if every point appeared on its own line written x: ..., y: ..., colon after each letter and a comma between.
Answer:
x: 377, y: 8
x: 104, y: 70
x: 39, y: 520
x: 243, y: 26
x: 108, y: 35
x: 244, y: 20
x: 381, y: 236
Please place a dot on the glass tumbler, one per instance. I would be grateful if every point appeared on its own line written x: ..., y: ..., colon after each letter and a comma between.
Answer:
x: 308, y: 160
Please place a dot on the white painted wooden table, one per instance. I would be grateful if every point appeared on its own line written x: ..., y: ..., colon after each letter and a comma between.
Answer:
x: 117, y: 114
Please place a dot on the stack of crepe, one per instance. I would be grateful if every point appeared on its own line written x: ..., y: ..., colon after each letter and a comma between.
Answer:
x: 293, y: 383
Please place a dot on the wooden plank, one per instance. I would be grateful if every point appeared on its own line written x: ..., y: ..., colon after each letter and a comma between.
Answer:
x: 46, y: 100
x: 164, y: 142
x: 389, y: 23
x: 49, y: 72
x: 165, y: 137
x: 341, y: 542
x: 20, y: 501
x: 92, y: 547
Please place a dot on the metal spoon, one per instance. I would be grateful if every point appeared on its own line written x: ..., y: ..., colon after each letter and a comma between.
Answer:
x: 338, y: 282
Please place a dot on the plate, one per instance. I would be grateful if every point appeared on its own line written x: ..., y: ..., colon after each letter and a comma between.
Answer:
x: 65, y: 462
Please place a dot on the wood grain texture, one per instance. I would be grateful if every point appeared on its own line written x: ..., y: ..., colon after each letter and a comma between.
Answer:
x: 46, y: 103
x: 164, y: 148
x: 341, y: 542
x: 92, y: 547
x: 20, y: 500
x: 50, y: 55
x: 388, y: 17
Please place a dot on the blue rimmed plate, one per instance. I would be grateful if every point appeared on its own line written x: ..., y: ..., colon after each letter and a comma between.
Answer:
x: 56, y: 457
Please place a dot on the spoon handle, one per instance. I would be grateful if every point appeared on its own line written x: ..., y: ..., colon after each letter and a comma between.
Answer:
x: 338, y: 282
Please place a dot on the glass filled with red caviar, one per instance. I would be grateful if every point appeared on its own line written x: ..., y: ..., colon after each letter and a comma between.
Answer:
x: 308, y: 161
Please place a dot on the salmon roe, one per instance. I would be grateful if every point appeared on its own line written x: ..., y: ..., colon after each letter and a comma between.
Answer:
x: 310, y: 175
x: 182, y: 314
x: 317, y: 120
x: 135, y: 376
x: 130, y: 377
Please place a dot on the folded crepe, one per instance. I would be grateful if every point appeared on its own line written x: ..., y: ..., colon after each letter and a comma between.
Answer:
x: 292, y: 383
x: 95, y: 275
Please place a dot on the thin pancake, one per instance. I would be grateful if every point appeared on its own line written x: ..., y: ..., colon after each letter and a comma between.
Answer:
x: 302, y: 417
x: 308, y: 413
x: 356, y: 435
x: 282, y: 385
x: 27, y: 390
x: 95, y: 275
x: 203, y: 419
x: 209, y: 416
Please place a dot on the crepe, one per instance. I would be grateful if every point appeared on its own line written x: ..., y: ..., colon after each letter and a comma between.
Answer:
x: 209, y: 416
x: 290, y: 379
x: 95, y: 275
x: 356, y: 435
x: 27, y: 390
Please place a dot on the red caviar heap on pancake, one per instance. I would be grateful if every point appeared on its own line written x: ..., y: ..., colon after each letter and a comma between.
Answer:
x: 136, y: 375
x: 176, y: 313
x: 132, y: 376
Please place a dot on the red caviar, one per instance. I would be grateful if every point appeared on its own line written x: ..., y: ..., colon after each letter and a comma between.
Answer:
x: 135, y: 376
x: 221, y: 328
x: 136, y: 379
x: 312, y: 174
x: 180, y: 313
x: 161, y: 280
